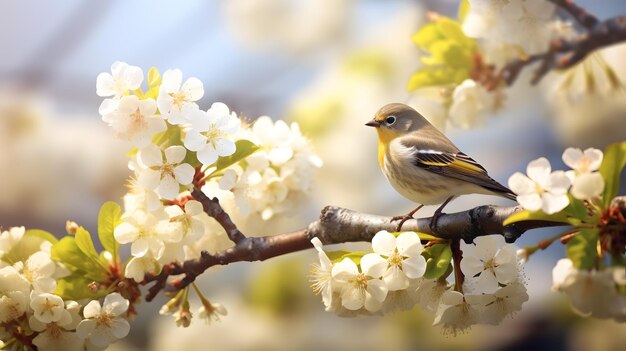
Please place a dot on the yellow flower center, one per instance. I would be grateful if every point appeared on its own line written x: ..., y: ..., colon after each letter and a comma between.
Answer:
x: 395, y: 259
x: 179, y: 99
x: 104, y: 319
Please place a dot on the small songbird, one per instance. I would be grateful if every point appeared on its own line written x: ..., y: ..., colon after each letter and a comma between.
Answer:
x: 423, y: 165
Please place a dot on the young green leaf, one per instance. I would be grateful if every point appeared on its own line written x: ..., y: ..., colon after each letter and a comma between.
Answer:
x: 75, y: 260
x: 438, y: 259
x: 537, y: 216
x: 612, y: 164
x: 581, y: 248
x: 244, y: 149
x: 85, y: 244
x: 42, y: 234
x: 76, y: 287
x: 108, y: 219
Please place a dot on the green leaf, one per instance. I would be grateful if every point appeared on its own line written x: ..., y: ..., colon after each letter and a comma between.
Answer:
x: 612, y: 164
x: 438, y: 259
x: 76, y: 287
x: 536, y: 216
x: 108, y: 219
x: 244, y: 149
x: 581, y: 248
x: 42, y: 234
x: 75, y: 260
x: 452, y: 30
x: 85, y: 244
x: 436, y: 75
x: 336, y: 256
x: 426, y: 36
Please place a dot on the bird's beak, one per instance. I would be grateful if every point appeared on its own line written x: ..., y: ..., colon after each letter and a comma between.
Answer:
x: 373, y: 123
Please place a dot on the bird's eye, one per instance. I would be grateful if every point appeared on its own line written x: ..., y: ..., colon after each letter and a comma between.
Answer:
x: 390, y: 120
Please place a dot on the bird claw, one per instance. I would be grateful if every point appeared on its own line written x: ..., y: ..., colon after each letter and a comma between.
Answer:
x: 433, y: 221
x: 405, y: 218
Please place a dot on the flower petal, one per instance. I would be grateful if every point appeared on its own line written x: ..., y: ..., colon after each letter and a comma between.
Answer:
x: 168, y: 187
x: 345, y: 269
x: 539, y: 171
x: 373, y: 265
x: 150, y: 156
x: 552, y: 203
x: 521, y: 184
x: 395, y: 279
x: 184, y: 173
x: 175, y: 154
x: 207, y: 156
x: 225, y: 147
x: 588, y: 185
x: 384, y: 243
x: 193, y: 89
x: 559, y: 183
x: 408, y: 244
x: 125, y: 233
x: 414, y: 267
x: 531, y: 202
x: 115, y: 304
x: 194, y: 141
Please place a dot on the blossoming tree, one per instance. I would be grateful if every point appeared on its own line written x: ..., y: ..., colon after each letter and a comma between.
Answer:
x: 193, y: 171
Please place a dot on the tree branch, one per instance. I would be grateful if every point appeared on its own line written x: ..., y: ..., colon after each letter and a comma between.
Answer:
x: 566, y: 53
x: 339, y: 225
x: 581, y: 15
x: 213, y: 208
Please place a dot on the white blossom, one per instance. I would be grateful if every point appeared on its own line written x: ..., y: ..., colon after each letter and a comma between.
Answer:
x: 470, y: 104
x: 123, y: 78
x: 586, y: 182
x: 135, y: 120
x: 39, y: 270
x: 211, y: 312
x: 104, y: 324
x: 403, y: 255
x: 188, y: 217
x: 14, y: 294
x: 542, y: 189
x: 523, y: 23
x: 9, y: 238
x: 458, y: 312
x: 495, y: 263
x: 164, y: 176
x: 361, y: 289
x: 175, y: 101
x: 58, y: 335
x: 429, y: 293
x: 48, y: 307
x: 148, y: 232
x: 590, y: 292
x: 504, y: 302
x: 210, y: 133
x: 138, y: 266
x: 322, y: 278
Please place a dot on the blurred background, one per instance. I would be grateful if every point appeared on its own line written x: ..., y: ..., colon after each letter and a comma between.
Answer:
x: 327, y: 64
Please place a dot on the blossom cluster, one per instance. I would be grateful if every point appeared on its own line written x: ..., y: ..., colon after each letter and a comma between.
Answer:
x: 275, y: 177
x: 395, y: 277
x: 462, y: 56
x: 597, y: 292
x: 548, y: 191
x: 262, y: 169
x: 32, y: 311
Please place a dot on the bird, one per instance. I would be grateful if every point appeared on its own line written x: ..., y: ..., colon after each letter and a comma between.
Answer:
x: 423, y: 165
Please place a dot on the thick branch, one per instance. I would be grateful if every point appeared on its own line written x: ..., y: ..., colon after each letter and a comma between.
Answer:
x: 339, y: 225
x: 566, y: 53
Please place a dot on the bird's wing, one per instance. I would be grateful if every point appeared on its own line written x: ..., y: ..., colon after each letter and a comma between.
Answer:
x: 459, y: 166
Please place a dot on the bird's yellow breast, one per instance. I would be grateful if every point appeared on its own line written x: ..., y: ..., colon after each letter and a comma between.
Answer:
x: 385, y: 136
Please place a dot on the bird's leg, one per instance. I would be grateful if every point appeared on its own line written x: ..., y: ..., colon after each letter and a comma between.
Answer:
x: 405, y: 218
x: 437, y: 214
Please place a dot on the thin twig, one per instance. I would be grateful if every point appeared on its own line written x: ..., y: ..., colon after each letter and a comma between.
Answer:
x: 566, y: 53
x: 213, y: 208
x: 580, y: 14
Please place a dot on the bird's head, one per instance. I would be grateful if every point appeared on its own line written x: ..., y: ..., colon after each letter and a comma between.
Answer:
x: 394, y: 120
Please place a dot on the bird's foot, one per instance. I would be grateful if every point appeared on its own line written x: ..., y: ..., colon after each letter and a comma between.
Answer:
x: 433, y: 221
x: 405, y: 218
